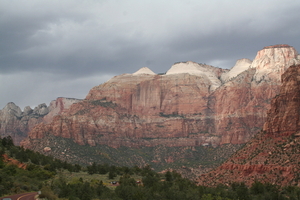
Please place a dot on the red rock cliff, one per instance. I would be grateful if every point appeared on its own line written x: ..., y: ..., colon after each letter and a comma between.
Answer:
x: 240, y: 105
x: 140, y: 107
x: 273, y: 154
x: 284, y: 115
x: 188, y: 106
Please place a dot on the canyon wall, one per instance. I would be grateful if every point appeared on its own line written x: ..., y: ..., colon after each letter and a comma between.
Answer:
x: 191, y: 105
x: 273, y: 154
x: 17, y: 123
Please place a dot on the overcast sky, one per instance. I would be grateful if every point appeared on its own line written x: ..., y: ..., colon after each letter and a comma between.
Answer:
x: 54, y: 48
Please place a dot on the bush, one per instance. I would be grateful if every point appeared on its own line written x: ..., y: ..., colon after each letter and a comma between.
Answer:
x: 47, y: 193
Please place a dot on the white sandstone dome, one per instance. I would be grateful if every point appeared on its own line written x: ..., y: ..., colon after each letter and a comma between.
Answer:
x: 239, y: 67
x: 144, y: 70
x: 196, y: 69
x: 186, y: 67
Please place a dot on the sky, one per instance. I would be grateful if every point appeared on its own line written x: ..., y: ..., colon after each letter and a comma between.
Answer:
x: 63, y: 48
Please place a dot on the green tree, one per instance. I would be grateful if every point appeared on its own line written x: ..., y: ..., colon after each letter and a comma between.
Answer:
x: 10, y: 170
x: 7, y: 142
x: 128, y: 189
x: 150, y: 180
x: 257, y: 188
x: 169, y: 176
x: 111, y: 175
x: 241, y: 191
x: 92, y: 169
x: 86, y: 192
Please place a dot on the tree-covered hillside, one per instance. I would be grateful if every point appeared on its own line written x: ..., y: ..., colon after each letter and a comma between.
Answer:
x: 22, y: 170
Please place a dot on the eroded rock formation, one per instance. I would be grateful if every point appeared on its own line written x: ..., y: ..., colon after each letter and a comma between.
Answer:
x: 273, y: 154
x: 17, y: 123
x: 240, y: 105
x: 192, y: 104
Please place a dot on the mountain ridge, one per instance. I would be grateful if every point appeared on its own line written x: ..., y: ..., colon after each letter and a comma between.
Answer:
x: 173, y: 109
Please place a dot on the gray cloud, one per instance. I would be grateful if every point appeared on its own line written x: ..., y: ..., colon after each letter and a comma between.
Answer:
x: 48, y: 48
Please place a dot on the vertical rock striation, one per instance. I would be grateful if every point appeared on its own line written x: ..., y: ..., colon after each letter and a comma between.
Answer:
x: 239, y: 107
x: 273, y: 154
x: 284, y: 115
x: 192, y: 104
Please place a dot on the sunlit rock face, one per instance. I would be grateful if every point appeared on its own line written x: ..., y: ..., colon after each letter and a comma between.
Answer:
x: 211, y: 74
x: 272, y: 61
x: 240, y: 66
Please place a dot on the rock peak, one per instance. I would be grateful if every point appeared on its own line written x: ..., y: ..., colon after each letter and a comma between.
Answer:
x: 144, y: 70
x: 197, y: 69
x: 188, y: 67
x: 273, y: 59
x: 10, y: 105
x: 240, y: 66
x: 277, y: 46
x: 12, y: 108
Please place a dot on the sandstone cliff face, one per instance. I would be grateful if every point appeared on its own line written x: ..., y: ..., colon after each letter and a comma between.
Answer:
x: 188, y: 106
x: 15, y: 123
x: 272, y: 61
x: 240, y: 105
x: 212, y: 74
x: 142, y: 110
x: 58, y: 106
x: 273, y: 154
x: 283, y: 117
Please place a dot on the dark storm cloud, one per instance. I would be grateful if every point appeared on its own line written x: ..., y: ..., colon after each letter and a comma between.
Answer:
x: 48, y: 48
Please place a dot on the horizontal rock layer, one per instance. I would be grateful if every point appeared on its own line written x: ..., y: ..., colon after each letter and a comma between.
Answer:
x: 190, y: 105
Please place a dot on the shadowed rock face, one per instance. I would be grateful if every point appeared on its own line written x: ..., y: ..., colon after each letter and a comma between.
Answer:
x: 188, y: 106
x: 284, y: 115
x: 15, y: 123
x: 273, y: 154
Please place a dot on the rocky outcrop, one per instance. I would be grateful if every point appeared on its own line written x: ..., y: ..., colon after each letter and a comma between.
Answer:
x: 201, y: 70
x: 272, y: 61
x: 240, y: 105
x: 240, y: 66
x: 17, y: 123
x: 58, y: 106
x: 12, y: 161
x: 273, y: 154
